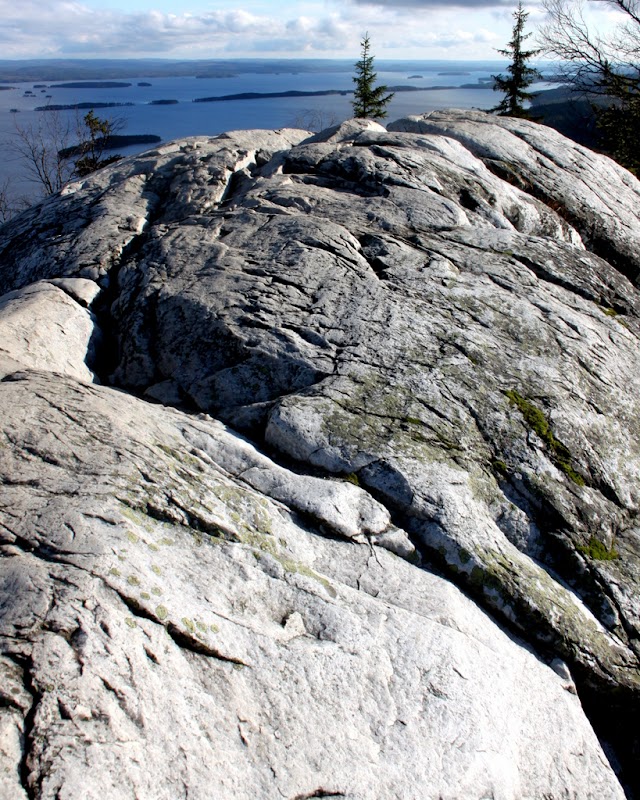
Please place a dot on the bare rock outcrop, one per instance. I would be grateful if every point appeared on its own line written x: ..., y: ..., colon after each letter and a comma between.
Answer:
x: 274, y: 381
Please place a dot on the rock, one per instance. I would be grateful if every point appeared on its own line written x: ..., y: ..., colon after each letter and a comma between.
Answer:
x: 342, y: 507
x: 84, y: 232
x: 596, y: 195
x: 81, y: 290
x: 433, y: 365
x: 64, y: 339
x: 171, y: 632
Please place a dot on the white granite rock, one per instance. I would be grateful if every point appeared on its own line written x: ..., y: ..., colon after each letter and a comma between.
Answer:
x: 429, y: 341
x: 593, y: 192
x: 41, y: 327
x: 169, y: 632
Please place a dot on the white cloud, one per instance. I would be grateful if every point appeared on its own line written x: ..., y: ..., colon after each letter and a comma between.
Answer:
x: 436, y: 4
x: 326, y: 28
x: 58, y: 28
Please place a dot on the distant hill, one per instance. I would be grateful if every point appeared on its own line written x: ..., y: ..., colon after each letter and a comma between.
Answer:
x: 109, y: 69
x: 570, y: 113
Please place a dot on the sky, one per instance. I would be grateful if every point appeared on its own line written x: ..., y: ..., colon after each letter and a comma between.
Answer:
x: 213, y: 29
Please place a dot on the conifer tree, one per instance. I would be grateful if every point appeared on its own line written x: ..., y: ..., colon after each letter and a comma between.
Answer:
x: 94, y: 142
x: 520, y: 76
x: 369, y: 100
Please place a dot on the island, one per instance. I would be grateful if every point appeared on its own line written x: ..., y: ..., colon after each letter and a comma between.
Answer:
x: 114, y: 142
x: 80, y: 106
x: 162, y: 102
x: 270, y: 95
x: 91, y: 85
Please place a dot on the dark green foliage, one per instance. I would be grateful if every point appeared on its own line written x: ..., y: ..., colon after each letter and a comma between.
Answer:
x: 598, y: 551
x: 500, y: 467
x: 571, y: 115
x: 536, y: 420
x: 619, y: 121
x: 520, y: 76
x: 93, y: 146
x: 369, y: 100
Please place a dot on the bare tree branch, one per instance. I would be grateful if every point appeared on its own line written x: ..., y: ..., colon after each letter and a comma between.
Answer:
x: 566, y: 34
x: 55, y: 149
x: 39, y: 146
x: 605, y: 69
x: 5, y: 205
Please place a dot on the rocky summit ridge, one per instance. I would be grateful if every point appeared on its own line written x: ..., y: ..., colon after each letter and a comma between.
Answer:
x: 320, y: 461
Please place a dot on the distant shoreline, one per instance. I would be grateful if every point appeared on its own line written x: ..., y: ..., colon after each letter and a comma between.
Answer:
x: 328, y: 92
x: 101, y: 70
x: 114, y: 142
x: 293, y: 93
x: 80, y: 106
x: 90, y: 85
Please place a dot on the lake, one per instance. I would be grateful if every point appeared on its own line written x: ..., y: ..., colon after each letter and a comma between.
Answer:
x: 186, y: 118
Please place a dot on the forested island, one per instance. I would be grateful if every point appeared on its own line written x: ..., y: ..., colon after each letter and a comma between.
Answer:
x: 113, y: 142
x: 80, y: 106
x: 270, y: 95
x: 325, y: 93
x: 90, y: 85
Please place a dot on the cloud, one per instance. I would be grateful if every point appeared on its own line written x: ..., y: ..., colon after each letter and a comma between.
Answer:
x: 58, y: 27
x: 304, y: 28
x: 437, y: 4
x: 446, y: 40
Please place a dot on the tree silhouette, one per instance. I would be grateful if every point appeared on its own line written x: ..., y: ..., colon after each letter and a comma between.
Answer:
x: 520, y: 76
x: 369, y: 101
x: 604, y: 68
x: 94, y: 144
x: 45, y: 148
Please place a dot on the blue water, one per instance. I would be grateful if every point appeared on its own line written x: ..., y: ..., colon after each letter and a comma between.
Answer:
x: 187, y: 118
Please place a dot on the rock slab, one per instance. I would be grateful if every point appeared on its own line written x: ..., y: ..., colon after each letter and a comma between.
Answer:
x: 380, y: 353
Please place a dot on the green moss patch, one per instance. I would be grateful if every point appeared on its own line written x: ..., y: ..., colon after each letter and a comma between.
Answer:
x: 499, y: 466
x: 302, y: 569
x: 537, y: 421
x: 598, y: 550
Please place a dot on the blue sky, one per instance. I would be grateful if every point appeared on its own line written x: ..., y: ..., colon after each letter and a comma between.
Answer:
x: 465, y: 29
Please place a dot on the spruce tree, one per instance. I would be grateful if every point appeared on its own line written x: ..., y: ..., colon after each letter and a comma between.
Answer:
x: 369, y: 101
x: 520, y: 76
x: 95, y: 140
